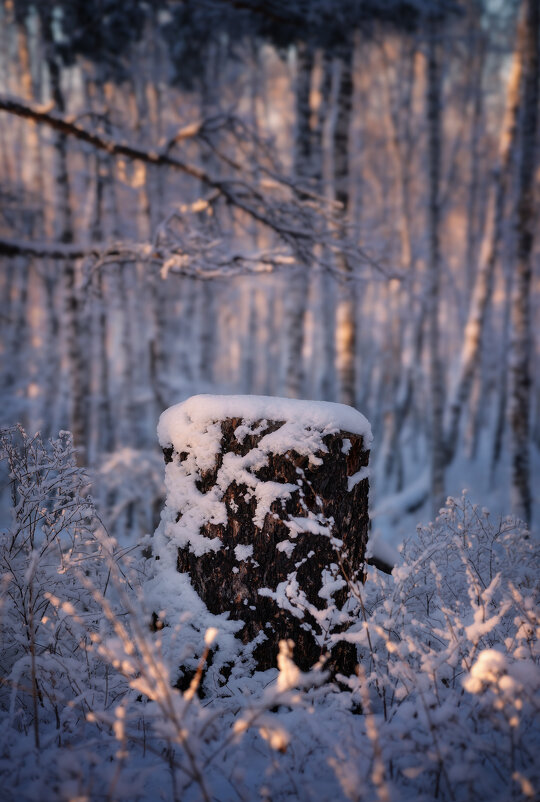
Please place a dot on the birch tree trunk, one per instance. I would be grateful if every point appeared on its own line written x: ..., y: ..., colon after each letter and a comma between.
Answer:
x: 433, y: 99
x: 18, y: 272
x: 326, y: 287
x: 101, y: 432
x: 521, y: 339
x: 502, y: 398
x: 209, y: 289
x: 147, y: 107
x: 483, y: 285
x: 346, y: 305
x: 72, y: 311
x: 298, y: 285
x: 402, y: 326
x: 476, y: 72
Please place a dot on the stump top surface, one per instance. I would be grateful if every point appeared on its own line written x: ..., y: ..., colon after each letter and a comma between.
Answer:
x: 202, y: 410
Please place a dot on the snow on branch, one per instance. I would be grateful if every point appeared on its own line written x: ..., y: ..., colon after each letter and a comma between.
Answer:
x: 195, y: 258
x: 237, y: 192
x: 191, y: 255
x: 305, y: 223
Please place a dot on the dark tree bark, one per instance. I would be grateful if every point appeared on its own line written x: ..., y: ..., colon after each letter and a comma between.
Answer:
x: 521, y: 339
x: 293, y: 568
x: 346, y: 306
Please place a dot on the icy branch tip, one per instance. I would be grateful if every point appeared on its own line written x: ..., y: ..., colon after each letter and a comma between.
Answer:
x: 210, y: 636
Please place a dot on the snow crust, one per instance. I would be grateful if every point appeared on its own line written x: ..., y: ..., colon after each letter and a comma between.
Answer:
x: 359, y: 476
x: 243, y: 553
x: 206, y: 409
x: 193, y: 429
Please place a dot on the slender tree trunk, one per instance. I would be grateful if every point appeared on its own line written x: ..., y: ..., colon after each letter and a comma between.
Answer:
x: 128, y: 429
x: 401, y: 325
x: 152, y: 199
x: 326, y: 283
x: 72, y: 304
x: 101, y: 435
x: 521, y: 339
x: 404, y: 393
x: 208, y: 289
x: 346, y: 305
x: 298, y: 285
x: 501, y: 416
x: 32, y: 167
x: 477, y: 63
x: 434, y: 165
x: 483, y: 285
x: 400, y: 141
x: 54, y: 401
x: 253, y: 329
x: 18, y: 274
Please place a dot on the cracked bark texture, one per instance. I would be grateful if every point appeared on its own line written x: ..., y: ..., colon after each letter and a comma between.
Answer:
x: 226, y: 583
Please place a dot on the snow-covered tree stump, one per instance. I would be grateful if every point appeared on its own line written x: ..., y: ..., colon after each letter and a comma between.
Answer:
x: 267, y: 509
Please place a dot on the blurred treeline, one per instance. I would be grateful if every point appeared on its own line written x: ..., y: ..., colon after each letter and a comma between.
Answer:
x: 329, y: 200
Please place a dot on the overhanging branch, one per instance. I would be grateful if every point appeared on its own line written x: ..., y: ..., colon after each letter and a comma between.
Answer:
x: 100, y: 141
x: 59, y: 250
x: 303, y: 224
x: 235, y: 191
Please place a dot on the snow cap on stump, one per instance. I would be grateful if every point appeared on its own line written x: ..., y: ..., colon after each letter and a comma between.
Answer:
x: 267, y: 512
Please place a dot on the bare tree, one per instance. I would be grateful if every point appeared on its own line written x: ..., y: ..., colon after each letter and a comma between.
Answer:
x: 433, y: 105
x: 520, y: 344
x: 483, y: 284
x: 346, y: 306
x: 298, y: 288
x: 72, y: 312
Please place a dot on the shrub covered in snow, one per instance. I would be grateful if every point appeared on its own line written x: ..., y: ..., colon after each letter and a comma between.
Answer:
x: 450, y: 646
x: 445, y: 704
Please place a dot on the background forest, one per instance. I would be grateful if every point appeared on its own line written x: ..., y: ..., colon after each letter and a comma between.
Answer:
x: 320, y: 199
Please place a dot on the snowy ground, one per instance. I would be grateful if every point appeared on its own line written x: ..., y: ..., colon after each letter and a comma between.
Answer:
x: 445, y: 705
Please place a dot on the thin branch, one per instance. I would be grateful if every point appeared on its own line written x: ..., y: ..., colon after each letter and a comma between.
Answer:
x: 302, y: 225
x: 248, y: 201
x: 69, y: 127
x: 59, y: 250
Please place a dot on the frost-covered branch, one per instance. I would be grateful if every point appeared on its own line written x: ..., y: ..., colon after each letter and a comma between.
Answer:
x: 69, y: 127
x: 302, y: 220
x: 192, y: 254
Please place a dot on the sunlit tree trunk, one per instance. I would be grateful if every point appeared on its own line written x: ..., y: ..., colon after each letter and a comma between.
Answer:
x: 298, y: 285
x: 325, y: 350
x: 483, y: 285
x: 502, y: 389
x: 254, y: 327
x: 19, y: 270
x: 31, y: 165
x: 433, y: 100
x: 476, y: 73
x: 147, y: 113
x: 72, y: 312
x: 346, y: 305
x: 403, y: 323
x: 208, y: 289
x: 526, y: 221
x: 128, y: 428
x: 101, y: 434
